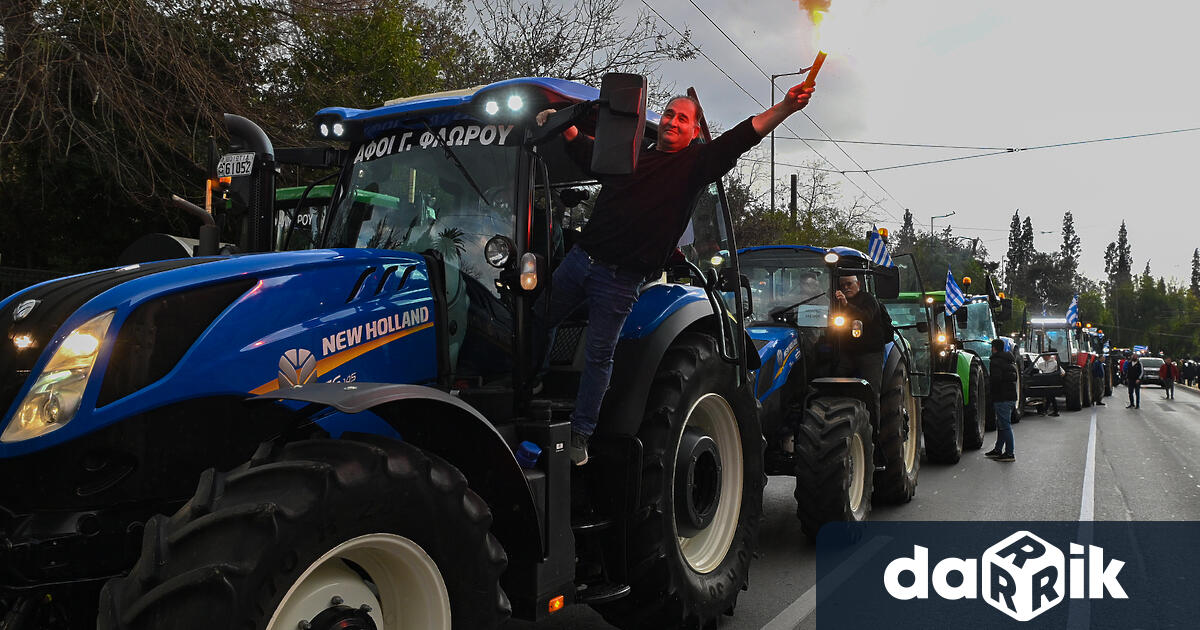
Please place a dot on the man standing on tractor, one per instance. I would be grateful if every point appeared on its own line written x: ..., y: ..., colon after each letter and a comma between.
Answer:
x: 634, y: 227
x: 865, y: 353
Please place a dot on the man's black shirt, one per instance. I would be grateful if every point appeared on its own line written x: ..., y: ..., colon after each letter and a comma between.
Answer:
x: 875, y: 334
x: 639, y: 218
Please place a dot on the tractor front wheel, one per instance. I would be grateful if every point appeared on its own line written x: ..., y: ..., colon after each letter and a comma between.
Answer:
x: 363, y: 532
x: 943, y: 421
x: 976, y: 413
x: 1073, y: 386
x: 834, y: 463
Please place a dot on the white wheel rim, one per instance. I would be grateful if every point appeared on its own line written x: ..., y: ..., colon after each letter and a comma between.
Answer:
x: 411, y: 592
x: 910, y: 440
x: 713, y: 417
x: 858, y: 472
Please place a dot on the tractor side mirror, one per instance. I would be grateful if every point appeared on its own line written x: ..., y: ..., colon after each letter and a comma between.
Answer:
x: 1005, y: 312
x: 887, y: 283
x: 922, y: 327
x: 620, y: 125
x: 961, y: 316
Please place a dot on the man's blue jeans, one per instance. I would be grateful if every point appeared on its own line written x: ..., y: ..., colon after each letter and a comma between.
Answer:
x: 1004, y: 432
x: 609, y: 293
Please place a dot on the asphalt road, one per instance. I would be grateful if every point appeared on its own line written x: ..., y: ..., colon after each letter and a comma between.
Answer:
x: 1145, y: 466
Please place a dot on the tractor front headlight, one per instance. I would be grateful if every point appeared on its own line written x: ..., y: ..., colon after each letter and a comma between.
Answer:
x: 58, y: 390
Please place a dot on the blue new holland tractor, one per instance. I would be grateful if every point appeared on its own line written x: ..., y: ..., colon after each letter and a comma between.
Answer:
x: 846, y: 444
x: 356, y: 435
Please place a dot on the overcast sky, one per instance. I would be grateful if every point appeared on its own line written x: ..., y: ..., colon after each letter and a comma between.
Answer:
x: 988, y: 74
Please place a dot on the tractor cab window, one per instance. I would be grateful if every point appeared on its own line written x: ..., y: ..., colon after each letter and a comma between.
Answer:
x: 1051, y: 340
x: 405, y: 192
x: 788, y: 278
x: 979, y: 332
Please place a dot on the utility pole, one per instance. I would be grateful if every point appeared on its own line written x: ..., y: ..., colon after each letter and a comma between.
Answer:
x: 769, y: 104
x: 795, y: 202
x: 939, y: 216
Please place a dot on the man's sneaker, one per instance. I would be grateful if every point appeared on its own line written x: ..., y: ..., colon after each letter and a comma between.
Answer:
x: 578, y: 449
x: 1053, y: 414
x: 1008, y: 457
x: 992, y: 454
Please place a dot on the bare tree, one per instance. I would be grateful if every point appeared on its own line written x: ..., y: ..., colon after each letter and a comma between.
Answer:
x: 578, y: 42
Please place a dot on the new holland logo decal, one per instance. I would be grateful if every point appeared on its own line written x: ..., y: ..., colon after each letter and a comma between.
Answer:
x: 24, y: 309
x: 296, y: 367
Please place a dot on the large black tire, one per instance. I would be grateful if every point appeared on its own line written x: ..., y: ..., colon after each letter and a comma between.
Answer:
x: 976, y: 412
x: 1085, y: 382
x: 1019, y: 404
x: 232, y: 556
x: 677, y: 579
x: 834, y: 463
x: 942, y: 418
x: 898, y: 439
x: 1073, y: 387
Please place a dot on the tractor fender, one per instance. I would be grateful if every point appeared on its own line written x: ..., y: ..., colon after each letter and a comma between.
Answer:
x: 847, y: 387
x: 636, y: 361
x: 453, y: 430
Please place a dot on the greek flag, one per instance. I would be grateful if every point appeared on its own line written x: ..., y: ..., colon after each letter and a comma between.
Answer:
x: 1141, y: 348
x: 877, y: 250
x: 1073, y: 311
x: 954, y: 295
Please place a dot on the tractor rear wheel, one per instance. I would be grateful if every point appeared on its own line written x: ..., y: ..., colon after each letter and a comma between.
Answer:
x: 834, y: 461
x: 899, y: 435
x: 975, y: 415
x: 358, y: 532
x: 943, y: 422
x: 691, y: 540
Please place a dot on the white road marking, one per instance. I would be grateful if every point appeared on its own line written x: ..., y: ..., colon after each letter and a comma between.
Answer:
x: 799, y: 610
x: 1087, y: 506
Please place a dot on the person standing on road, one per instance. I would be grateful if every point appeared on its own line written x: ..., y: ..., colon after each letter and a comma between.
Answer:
x: 864, y: 353
x: 635, y: 224
x: 1098, y: 377
x: 1168, y: 373
x: 1004, y: 396
x: 1133, y: 382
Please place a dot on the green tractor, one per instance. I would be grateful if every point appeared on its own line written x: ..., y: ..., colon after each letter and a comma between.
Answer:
x: 957, y: 412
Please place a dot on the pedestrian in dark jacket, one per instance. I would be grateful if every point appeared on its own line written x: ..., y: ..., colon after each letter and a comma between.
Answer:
x: 1133, y: 382
x: 1004, y: 396
x: 1098, y: 377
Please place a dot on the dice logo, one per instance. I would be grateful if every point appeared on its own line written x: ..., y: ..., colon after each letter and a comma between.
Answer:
x: 1023, y: 576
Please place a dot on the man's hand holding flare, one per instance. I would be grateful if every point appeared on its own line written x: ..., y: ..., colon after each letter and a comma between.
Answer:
x: 797, y: 97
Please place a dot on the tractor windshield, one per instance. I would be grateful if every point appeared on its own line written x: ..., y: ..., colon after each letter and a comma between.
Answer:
x: 781, y: 278
x: 404, y: 192
x: 1057, y: 340
x: 407, y: 192
x: 979, y: 332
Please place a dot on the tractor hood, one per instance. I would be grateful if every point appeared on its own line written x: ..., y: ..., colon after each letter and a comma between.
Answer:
x: 166, y: 331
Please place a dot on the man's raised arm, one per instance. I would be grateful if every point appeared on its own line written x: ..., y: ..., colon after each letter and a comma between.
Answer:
x: 794, y: 101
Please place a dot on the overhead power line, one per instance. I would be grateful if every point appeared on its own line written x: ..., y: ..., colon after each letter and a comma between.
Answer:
x: 897, y: 144
x: 1039, y: 147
